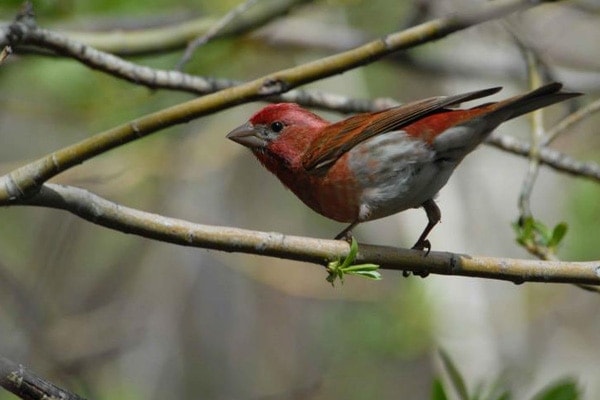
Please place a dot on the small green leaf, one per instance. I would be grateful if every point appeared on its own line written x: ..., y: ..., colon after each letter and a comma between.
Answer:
x: 543, y: 231
x: 477, y: 393
x: 558, y: 234
x: 534, y: 233
x: 528, y: 227
x: 437, y: 391
x: 361, y: 267
x: 562, y: 390
x: 374, y: 275
x: 337, y: 269
x: 506, y: 395
x: 524, y: 230
x: 455, y: 377
x: 334, y: 272
x: 351, y: 255
x: 493, y: 391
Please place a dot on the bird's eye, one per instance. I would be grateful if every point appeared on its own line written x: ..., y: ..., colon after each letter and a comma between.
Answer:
x: 277, y: 126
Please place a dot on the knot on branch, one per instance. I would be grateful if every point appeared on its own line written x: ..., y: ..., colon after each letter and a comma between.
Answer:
x: 19, y: 185
x: 273, y: 86
x: 24, y: 21
x: 26, y: 14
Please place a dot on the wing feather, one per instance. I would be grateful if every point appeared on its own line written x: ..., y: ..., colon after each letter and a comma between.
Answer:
x: 338, y: 138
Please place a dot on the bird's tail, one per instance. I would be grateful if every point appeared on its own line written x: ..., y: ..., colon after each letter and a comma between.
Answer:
x: 525, y: 103
x: 458, y: 141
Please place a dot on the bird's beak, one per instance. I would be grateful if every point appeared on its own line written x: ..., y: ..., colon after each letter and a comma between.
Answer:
x: 247, y: 135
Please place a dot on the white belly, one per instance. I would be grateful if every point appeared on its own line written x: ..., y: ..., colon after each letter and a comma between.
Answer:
x: 397, y: 173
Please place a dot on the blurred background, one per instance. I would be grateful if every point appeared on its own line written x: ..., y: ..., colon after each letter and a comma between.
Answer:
x: 110, y: 315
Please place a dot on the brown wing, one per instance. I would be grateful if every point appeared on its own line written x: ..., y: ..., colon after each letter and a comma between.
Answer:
x: 342, y: 136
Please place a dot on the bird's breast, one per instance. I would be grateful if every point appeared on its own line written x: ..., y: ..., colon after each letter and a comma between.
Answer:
x: 337, y: 193
x: 381, y: 176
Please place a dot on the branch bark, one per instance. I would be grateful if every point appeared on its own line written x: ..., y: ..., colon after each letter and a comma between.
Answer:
x: 102, y: 212
x: 547, y: 156
x: 21, y: 382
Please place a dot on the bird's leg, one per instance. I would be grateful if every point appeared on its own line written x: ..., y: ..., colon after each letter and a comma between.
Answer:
x: 346, y: 234
x: 434, y: 216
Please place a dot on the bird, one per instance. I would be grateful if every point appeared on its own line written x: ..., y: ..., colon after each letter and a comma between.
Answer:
x: 372, y: 165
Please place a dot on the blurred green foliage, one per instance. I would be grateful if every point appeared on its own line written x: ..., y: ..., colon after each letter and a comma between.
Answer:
x: 585, y: 210
x: 563, y: 389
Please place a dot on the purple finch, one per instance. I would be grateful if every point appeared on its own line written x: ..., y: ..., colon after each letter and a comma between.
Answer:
x: 377, y: 164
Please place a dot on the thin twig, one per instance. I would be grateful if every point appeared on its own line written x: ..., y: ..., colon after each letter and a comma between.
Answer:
x: 539, y: 138
x: 174, y: 35
x: 537, y: 132
x: 552, y: 158
x: 213, y: 32
x: 103, y: 212
x: 569, y: 121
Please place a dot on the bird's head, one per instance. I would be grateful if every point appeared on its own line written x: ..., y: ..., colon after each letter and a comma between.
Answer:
x: 279, y: 133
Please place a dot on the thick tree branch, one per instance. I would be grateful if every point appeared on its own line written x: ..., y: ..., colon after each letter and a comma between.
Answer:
x: 18, y: 380
x: 29, y: 178
x: 319, y: 251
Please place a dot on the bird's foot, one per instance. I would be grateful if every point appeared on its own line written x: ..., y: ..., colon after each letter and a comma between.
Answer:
x: 423, y: 245
x: 345, y: 235
x: 422, y: 274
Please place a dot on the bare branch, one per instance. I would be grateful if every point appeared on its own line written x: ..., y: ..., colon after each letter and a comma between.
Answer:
x: 234, y: 15
x: 102, y: 212
x: 128, y: 42
x: 213, y: 32
x: 18, y: 380
x: 537, y: 132
x: 570, y: 120
x: 552, y: 158
x: 175, y: 80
